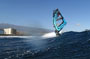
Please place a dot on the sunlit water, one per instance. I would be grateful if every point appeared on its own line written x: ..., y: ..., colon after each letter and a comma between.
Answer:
x: 51, y: 34
x: 70, y: 45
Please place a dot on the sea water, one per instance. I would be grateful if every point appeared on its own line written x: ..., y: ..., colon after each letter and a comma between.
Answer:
x: 70, y: 45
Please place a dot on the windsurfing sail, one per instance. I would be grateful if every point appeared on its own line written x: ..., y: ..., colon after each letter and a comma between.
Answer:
x: 58, y: 21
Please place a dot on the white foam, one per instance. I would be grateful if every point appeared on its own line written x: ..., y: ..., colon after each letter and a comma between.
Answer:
x: 49, y: 35
x: 16, y: 36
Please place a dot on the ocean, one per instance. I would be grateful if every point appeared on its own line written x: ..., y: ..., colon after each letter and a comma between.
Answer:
x: 70, y: 45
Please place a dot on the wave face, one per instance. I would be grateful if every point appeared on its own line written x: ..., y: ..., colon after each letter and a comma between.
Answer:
x: 70, y: 45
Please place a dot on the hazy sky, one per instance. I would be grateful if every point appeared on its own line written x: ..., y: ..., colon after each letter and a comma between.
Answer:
x: 39, y: 13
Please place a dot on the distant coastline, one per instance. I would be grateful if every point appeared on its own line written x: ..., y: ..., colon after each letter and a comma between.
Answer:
x: 23, y: 30
x: 16, y: 36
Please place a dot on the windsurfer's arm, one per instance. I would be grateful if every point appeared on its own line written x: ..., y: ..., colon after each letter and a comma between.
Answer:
x: 59, y: 18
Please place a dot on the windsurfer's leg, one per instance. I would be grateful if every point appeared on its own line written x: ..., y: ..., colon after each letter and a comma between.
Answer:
x: 57, y: 32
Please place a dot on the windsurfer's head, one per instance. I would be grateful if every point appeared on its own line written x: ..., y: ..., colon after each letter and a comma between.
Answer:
x: 56, y: 9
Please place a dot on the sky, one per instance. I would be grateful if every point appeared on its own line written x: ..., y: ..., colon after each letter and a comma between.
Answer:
x: 38, y: 13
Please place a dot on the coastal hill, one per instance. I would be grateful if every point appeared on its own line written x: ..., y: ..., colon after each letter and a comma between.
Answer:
x: 33, y: 31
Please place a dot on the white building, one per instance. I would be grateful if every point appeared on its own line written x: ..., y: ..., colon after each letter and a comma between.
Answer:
x: 9, y: 31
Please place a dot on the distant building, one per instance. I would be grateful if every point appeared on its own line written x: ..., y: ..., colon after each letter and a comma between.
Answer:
x: 9, y: 31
